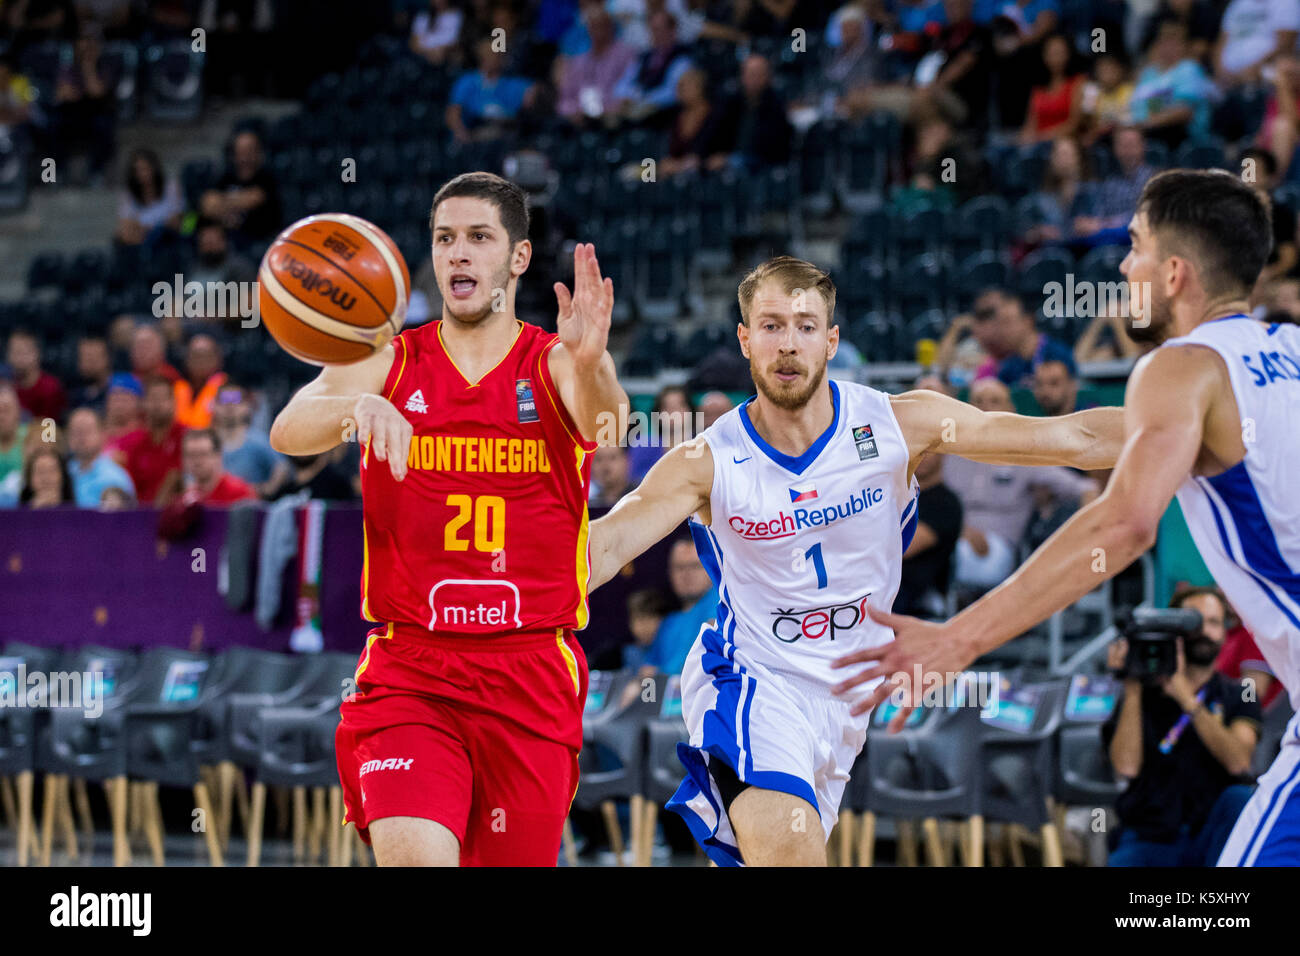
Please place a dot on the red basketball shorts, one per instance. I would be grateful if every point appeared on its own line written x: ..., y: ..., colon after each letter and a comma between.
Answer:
x: 479, y: 734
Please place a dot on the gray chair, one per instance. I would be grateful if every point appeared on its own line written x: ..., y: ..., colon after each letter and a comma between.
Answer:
x: 1017, y: 753
x: 663, y: 769
x: 1276, y: 718
x: 18, y: 748
x: 928, y: 770
x: 173, y: 81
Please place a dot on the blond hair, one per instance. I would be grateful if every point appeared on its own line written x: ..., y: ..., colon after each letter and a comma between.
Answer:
x: 794, y: 275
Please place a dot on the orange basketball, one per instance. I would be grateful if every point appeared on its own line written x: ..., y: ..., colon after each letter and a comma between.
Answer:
x: 333, y: 289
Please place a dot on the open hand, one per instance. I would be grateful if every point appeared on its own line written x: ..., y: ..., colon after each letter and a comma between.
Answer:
x: 585, y: 316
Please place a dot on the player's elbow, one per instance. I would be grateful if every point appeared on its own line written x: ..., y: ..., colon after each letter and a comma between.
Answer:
x: 281, y: 436
x: 1131, y: 531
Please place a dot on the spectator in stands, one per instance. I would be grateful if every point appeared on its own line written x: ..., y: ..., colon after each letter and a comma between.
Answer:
x: 84, y: 120
x: 696, y: 137
x: 321, y: 476
x: 91, y: 469
x: 109, y: 18
x: 214, y: 261
x: 961, y: 87
x: 435, y: 32
x: 708, y: 20
x: 94, y: 371
x: 1278, y: 132
x: 1259, y: 169
x: 755, y: 126
x: 997, y: 501
x: 13, y: 443
x: 206, y: 481
x: 17, y: 96
x: 1026, y: 347
x: 938, y: 151
x: 1064, y: 194
x: 245, y: 452
x: 1183, y: 743
x: 1198, y: 17
x: 649, y: 88
x: 854, y: 68
x: 586, y: 82
x: 1171, y: 100
x: 1254, y: 33
x: 927, y: 562
x: 122, y: 412
x: 646, y: 611
x: 245, y: 198
x: 1279, y: 301
x: 32, y: 21
x: 1106, y: 97
x: 609, y: 478
x: 121, y: 333
x: 1115, y: 197
x: 40, y: 393
x: 485, y: 102
x: 45, y: 479
x: 149, y: 355
x: 152, y: 454
x: 1032, y: 20
x: 150, y: 204
x: 713, y: 406
x: 671, y: 421
x: 698, y: 599
x: 196, y: 392
x: 765, y: 18
x: 1056, y: 106
x: 970, y: 341
x: 1056, y: 386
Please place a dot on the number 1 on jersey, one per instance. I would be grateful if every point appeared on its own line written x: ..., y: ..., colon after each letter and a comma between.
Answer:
x: 815, y: 552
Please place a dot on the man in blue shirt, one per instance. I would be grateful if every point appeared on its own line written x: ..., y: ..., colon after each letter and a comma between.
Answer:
x: 484, y: 99
x: 699, y: 598
x: 92, y: 471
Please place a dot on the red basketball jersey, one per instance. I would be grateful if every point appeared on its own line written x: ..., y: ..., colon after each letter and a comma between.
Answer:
x: 487, y: 533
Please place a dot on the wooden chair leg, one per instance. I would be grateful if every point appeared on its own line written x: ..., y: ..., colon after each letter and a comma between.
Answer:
x: 334, y: 825
x: 255, y: 814
x: 153, y: 824
x: 225, y: 797
x: 907, y: 843
x: 49, y: 804
x: 1015, y: 851
x: 282, y: 811
x: 933, y: 845
x: 975, y: 834
x: 241, y: 799
x: 570, y: 845
x: 1051, y: 845
x: 299, y: 823
x: 26, y: 826
x: 66, y: 823
x: 648, y: 825
x: 615, y: 832
x: 847, y: 822
x: 8, y: 802
x: 83, y: 810
x: 316, y: 826
x: 203, y: 800
x: 636, y: 812
x: 121, y: 846
x: 350, y: 838
x: 867, y: 839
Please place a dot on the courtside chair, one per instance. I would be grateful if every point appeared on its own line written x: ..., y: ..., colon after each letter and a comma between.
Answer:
x: 611, y: 764
x: 930, y: 769
x: 1276, y: 720
x: 18, y: 752
x: 297, y: 751
x: 663, y: 769
x: 1017, y: 754
x: 1084, y: 776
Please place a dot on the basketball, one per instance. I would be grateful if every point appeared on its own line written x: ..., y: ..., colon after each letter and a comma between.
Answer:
x: 333, y: 289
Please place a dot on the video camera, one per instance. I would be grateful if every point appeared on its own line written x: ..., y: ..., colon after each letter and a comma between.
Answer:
x: 1152, y: 635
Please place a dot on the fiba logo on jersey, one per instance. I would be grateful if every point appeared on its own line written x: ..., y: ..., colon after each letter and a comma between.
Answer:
x: 527, y: 405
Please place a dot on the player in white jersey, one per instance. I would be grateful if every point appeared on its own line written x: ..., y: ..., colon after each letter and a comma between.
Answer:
x: 803, y: 502
x: 1210, y: 416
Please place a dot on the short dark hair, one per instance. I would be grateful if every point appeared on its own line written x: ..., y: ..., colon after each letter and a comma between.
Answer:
x: 208, y: 433
x: 1185, y: 594
x: 510, y: 200
x: 1214, y: 219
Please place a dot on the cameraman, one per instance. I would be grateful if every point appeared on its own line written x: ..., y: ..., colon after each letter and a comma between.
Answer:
x: 1183, y: 741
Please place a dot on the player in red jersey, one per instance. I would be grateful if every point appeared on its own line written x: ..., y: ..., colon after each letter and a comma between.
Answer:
x: 460, y: 744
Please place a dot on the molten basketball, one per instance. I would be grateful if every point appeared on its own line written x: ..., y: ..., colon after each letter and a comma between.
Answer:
x: 333, y: 289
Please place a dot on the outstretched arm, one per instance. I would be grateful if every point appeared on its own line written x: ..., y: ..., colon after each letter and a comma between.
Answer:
x: 580, y: 365
x: 1169, y: 398
x: 677, y: 486
x: 935, y: 423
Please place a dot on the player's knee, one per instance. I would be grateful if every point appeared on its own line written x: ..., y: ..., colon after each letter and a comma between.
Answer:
x: 777, y: 829
x: 412, y: 841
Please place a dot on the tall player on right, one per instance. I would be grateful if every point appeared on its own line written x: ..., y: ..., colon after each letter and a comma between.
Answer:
x: 1210, y: 416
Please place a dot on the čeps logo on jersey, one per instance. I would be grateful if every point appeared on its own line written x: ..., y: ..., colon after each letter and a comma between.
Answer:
x: 787, y: 523
x: 788, y: 624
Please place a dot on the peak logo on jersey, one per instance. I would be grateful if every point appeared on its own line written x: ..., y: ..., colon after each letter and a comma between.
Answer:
x: 416, y: 403
x: 789, y: 625
x: 471, y: 453
x: 392, y: 763
x: 804, y: 492
x: 786, y: 524
x: 524, y: 400
x: 866, y: 442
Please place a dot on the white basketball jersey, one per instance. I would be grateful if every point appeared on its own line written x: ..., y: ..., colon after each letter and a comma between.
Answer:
x: 1246, y: 521
x: 798, y: 547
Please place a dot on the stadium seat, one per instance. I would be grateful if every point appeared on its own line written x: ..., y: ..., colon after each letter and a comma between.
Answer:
x: 41, y: 63
x: 15, y: 172
x: 880, y: 336
x: 18, y: 752
x: 46, y: 271
x: 173, y: 81
x: 1102, y: 264
x: 653, y: 349
x: 923, y: 230
x: 1201, y: 154
x: 88, y: 269
x: 119, y: 66
x: 1040, y: 267
x: 980, y: 224
x: 920, y: 283
x: 979, y: 271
